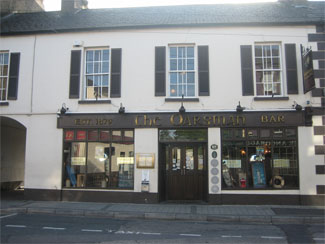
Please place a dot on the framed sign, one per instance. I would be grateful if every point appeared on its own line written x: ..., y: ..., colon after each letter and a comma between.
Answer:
x: 258, y: 172
x: 307, y: 69
x: 145, y: 160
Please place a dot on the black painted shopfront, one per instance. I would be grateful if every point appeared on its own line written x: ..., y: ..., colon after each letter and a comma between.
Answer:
x: 259, y: 151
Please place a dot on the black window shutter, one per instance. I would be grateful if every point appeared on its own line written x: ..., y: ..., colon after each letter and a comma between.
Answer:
x: 203, y: 66
x: 247, y: 70
x: 75, y: 74
x: 160, y: 71
x: 13, y: 76
x: 116, y: 67
x: 291, y: 68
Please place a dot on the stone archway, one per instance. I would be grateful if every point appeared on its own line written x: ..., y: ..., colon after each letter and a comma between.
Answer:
x: 12, y: 152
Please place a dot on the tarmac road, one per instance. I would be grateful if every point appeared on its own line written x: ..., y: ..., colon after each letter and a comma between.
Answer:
x: 47, y: 228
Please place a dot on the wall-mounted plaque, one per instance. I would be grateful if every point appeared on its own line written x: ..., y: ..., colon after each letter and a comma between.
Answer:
x: 145, y: 160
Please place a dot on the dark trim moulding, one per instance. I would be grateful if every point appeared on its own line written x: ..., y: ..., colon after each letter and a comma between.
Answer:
x: 271, y: 98
x: 320, y: 169
x: 180, y: 100
x: 94, y: 102
x: 320, y: 189
x: 4, y: 104
x: 319, y: 130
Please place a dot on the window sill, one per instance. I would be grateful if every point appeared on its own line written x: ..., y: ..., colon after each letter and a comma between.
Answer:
x: 180, y: 99
x: 271, y: 98
x: 4, y: 104
x: 94, y: 101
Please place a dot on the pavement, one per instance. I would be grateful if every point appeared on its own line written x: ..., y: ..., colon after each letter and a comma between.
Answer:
x: 261, y: 214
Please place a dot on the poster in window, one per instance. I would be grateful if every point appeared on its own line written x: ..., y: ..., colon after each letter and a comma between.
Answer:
x: 69, y: 135
x: 78, y: 154
x: 81, y: 135
x: 258, y: 172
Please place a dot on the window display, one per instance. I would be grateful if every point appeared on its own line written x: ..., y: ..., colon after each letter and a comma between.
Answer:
x: 260, y: 159
x: 98, y: 164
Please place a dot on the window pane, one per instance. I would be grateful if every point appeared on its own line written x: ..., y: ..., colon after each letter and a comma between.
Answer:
x: 105, y: 67
x: 190, y: 77
x: 173, y: 64
x: 117, y: 135
x: 122, y: 166
x: 183, y: 135
x: 181, y: 52
x: 290, y: 132
x: 259, y: 63
x: 98, y: 164
x: 259, y: 76
x: 93, y: 135
x: 105, y: 92
x: 190, y: 64
x: 265, y: 133
x: 5, y: 70
x: 105, y: 55
x: 90, y: 56
x: 189, y: 153
x: 105, y: 80
x: 97, y: 68
x: 173, y: 90
x: 258, y: 51
x: 173, y: 52
x: 74, y: 164
x: 128, y: 135
x: 275, y: 50
x: 181, y: 64
x: 190, y: 90
x: 252, y: 133
x: 266, y: 51
x: 97, y: 55
x: 90, y: 68
x: 276, y: 63
x: 104, y: 135
x: 97, y: 80
x: 173, y: 78
x: 190, y: 52
x: 90, y: 80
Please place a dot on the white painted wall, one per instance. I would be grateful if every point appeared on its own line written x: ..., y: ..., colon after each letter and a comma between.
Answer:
x: 146, y: 141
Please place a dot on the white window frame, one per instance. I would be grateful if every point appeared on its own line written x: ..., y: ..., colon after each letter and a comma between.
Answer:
x: 4, y: 79
x: 266, y: 69
x: 184, y: 72
x: 100, y: 74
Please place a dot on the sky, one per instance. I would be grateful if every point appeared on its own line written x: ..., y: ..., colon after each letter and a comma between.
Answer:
x: 54, y: 5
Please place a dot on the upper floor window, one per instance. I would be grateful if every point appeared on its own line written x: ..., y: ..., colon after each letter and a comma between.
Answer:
x: 181, y: 71
x: 97, y: 74
x: 4, y: 67
x: 268, y: 70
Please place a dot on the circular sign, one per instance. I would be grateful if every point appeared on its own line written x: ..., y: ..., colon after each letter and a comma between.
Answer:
x: 214, y: 146
x: 214, y: 154
x: 214, y: 171
x: 214, y: 189
x: 214, y: 162
x: 215, y: 180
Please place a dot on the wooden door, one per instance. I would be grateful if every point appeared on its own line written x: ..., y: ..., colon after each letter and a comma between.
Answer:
x: 185, y: 171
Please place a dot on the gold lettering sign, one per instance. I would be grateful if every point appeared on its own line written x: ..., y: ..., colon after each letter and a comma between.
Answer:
x: 272, y: 119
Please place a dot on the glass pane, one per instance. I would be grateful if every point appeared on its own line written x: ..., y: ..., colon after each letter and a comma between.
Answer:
x: 105, y: 80
x: 97, y: 80
x: 4, y: 83
x: 81, y: 135
x: 251, y: 133
x: 181, y: 64
x: 173, y: 64
x: 258, y: 51
x: 276, y: 76
x: 190, y: 52
x: 173, y: 52
x: 275, y: 50
x: 90, y: 80
x: 190, y: 77
x: 97, y: 55
x: 266, y: 51
x: 183, y: 135
x: 105, y: 55
x: 90, y: 68
x: 6, y: 59
x: 190, y: 91
x: 97, y: 68
x: 98, y: 164
x: 190, y: 64
x: 265, y: 133
x: 90, y: 56
x: 259, y: 76
x: 277, y: 89
x: 290, y: 132
x: 278, y: 133
x: 93, y: 135
x: 104, y: 135
x: 105, y: 67
x: 189, y: 160
x: 176, y: 158
x: 117, y: 135
x: 5, y: 70
x: 69, y: 135
x: 74, y: 164
x: 259, y: 63
x: 200, y: 155
x: 122, y: 165
x: 181, y: 52
x: 227, y: 134
x: 239, y: 133
x: 268, y: 63
x: 276, y: 63
x: 173, y: 91
x: 128, y: 135
x: 105, y: 92
x: 173, y: 78
x: 260, y: 89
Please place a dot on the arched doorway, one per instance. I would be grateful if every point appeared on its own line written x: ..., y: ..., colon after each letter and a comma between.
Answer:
x: 13, y: 144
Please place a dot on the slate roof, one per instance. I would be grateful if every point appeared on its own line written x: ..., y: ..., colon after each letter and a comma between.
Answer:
x: 277, y: 13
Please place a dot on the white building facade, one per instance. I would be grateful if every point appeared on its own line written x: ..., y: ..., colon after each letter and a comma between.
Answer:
x: 170, y: 110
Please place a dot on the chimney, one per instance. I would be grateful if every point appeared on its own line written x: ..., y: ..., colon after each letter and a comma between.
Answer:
x: 71, y: 6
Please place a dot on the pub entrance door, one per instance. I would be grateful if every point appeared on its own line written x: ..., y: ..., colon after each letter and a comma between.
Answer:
x: 184, y: 171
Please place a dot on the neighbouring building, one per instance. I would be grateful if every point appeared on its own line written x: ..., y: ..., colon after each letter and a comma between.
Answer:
x: 216, y: 103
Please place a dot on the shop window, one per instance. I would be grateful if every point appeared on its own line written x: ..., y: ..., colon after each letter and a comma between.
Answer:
x: 266, y: 159
x: 98, y: 162
x: 183, y: 135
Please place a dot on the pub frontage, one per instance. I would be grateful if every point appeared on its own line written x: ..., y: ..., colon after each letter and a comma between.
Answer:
x: 217, y: 157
